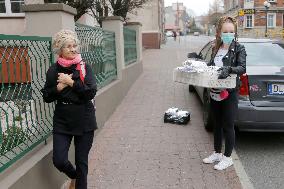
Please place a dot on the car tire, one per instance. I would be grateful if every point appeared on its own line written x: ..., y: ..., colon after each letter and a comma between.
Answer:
x: 207, y: 116
x: 191, y: 88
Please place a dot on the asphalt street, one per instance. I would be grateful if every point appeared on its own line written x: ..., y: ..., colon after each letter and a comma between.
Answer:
x: 261, y: 154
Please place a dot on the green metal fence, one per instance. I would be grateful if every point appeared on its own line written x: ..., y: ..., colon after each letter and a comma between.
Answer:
x: 130, y: 49
x: 25, y: 120
x: 98, y: 50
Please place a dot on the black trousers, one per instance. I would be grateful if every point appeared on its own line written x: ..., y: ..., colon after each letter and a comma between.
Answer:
x: 83, y: 144
x: 224, y: 115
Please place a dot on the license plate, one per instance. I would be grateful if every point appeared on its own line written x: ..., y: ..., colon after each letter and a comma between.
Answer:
x: 275, y: 89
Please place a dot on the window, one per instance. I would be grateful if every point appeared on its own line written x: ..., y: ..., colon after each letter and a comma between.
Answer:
x: 204, y: 51
x: 2, y: 6
x: 11, y: 8
x: 209, y: 54
x: 271, y: 20
x: 248, y: 21
x: 265, y: 54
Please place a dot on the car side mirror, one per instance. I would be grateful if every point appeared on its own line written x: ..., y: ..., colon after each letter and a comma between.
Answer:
x: 192, y: 55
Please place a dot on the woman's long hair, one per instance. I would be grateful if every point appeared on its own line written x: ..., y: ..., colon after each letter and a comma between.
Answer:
x: 218, y: 40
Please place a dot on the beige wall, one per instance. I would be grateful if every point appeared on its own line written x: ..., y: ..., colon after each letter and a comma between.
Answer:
x: 12, y: 26
x: 151, y: 16
x: 147, y: 16
x: 87, y: 19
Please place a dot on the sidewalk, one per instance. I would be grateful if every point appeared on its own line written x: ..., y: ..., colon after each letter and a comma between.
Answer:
x: 136, y: 150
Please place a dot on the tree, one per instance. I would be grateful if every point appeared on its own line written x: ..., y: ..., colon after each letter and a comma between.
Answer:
x: 123, y: 7
x: 215, y: 12
x: 82, y: 6
x: 216, y: 7
x: 101, y: 8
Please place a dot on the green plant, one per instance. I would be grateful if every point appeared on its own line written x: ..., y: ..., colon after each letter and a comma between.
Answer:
x: 11, y: 138
x: 18, y: 118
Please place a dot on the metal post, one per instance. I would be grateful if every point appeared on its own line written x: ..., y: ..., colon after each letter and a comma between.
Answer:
x: 266, y: 10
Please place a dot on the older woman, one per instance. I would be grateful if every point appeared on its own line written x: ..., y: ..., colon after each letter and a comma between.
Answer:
x: 71, y: 83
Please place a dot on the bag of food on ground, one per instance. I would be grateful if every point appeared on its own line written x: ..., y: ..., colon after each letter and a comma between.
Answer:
x: 174, y: 115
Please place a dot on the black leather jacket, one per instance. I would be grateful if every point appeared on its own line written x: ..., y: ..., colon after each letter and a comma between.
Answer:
x: 235, y: 58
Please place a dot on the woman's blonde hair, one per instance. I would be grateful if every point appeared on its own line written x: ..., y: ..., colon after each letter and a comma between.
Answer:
x: 60, y: 38
x: 220, y: 23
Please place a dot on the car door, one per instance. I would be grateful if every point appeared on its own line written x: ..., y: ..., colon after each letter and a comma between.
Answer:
x: 205, y: 55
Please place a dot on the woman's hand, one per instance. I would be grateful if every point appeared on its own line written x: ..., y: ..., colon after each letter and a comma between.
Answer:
x: 65, y: 79
x: 225, y: 72
x: 61, y: 86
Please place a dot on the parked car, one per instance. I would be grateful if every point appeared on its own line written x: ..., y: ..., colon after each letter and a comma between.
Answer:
x: 196, y: 33
x: 169, y: 34
x: 261, y: 94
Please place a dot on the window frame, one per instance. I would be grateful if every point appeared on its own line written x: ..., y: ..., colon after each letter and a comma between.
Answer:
x: 274, y: 20
x: 9, y: 13
x: 252, y: 21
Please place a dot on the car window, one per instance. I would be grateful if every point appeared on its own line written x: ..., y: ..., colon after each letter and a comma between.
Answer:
x: 265, y: 54
x: 209, y: 54
x: 204, y: 51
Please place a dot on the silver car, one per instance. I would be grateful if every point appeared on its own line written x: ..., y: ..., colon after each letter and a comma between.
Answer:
x: 261, y: 95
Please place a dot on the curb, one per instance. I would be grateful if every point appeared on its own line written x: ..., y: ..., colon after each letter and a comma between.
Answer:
x: 244, y: 179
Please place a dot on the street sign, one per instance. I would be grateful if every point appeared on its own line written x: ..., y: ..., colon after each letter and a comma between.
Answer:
x: 242, y: 12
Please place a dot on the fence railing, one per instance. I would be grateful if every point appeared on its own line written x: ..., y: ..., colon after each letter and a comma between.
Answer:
x: 130, y: 49
x: 25, y: 120
x: 98, y: 50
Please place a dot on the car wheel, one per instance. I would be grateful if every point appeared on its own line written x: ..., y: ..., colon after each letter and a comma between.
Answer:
x: 191, y: 88
x: 207, y: 117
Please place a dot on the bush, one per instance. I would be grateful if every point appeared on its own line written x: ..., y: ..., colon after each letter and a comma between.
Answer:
x: 12, y: 138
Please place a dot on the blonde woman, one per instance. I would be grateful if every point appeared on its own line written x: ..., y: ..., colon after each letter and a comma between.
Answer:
x: 231, y: 57
x: 71, y: 83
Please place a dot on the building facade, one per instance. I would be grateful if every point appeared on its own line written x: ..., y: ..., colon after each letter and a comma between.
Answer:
x: 254, y: 20
x: 12, y: 19
x: 176, y: 17
x: 152, y: 18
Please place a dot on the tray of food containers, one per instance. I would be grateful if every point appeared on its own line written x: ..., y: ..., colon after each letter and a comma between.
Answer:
x: 197, y: 73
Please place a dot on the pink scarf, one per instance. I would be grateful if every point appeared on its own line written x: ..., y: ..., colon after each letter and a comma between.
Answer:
x: 81, y: 67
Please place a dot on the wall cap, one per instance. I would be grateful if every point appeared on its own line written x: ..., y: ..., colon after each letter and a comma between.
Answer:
x: 49, y: 7
x: 110, y: 18
x: 133, y: 24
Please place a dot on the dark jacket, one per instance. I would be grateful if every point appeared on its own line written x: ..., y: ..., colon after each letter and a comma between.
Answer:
x: 235, y: 58
x: 74, y: 111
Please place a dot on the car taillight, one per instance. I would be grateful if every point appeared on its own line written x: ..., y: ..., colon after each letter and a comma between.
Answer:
x: 244, y: 88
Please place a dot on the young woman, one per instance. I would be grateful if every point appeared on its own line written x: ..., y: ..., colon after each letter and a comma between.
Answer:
x: 71, y: 83
x: 231, y: 57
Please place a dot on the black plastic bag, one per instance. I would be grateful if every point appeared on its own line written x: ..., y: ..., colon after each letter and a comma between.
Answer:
x: 174, y: 115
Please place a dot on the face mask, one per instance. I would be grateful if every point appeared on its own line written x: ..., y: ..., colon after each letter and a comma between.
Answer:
x: 227, y: 38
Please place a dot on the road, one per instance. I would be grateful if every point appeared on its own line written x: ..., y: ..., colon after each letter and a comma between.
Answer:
x: 262, y: 154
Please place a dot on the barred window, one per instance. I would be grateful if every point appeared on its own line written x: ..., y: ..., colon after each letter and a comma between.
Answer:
x: 11, y: 7
x: 271, y: 20
x: 2, y: 6
x: 16, y: 6
x: 249, y: 21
